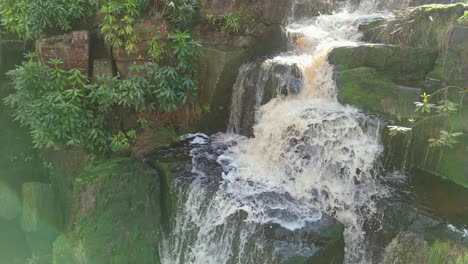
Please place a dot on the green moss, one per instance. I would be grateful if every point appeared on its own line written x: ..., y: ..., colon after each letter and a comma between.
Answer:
x: 412, y: 249
x: 452, y: 165
x: 399, y: 64
x: 365, y: 88
x: 117, y: 213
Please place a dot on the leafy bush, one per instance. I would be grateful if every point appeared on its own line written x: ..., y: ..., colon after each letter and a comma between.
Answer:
x: 227, y: 22
x: 32, y: 18
x: 118, y: 17
x: 53, y: 103
x: 180, y: 13
x: 175, y: 83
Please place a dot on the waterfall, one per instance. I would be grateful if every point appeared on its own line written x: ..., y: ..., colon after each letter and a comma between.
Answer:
x: 310, y: 158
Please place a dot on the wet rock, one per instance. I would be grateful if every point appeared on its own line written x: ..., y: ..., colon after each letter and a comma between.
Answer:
x: 257, y: 83
x: 117, y: 217
x: 398, y: 63
x: 317, y: 242
x: 73, y: 49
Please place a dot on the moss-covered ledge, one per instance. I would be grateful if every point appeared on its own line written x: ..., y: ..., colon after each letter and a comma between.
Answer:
x: 116, y: 215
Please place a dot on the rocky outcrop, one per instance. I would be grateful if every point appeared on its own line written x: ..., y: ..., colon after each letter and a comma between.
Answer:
x: 411, y: 248
x: 73, y: 49
x: 116, y: 215
x: 261, y: 34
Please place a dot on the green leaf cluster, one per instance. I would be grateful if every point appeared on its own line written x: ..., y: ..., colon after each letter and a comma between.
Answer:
x: 180, y: 13
x: 118, y: 17
x: 32, y: 18
x: 228, y: 22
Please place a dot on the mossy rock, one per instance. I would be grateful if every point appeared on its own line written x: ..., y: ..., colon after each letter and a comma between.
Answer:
x: 398, y: 63
x: 410, y: 248
x: 365, y: 88
x: 117, y: 215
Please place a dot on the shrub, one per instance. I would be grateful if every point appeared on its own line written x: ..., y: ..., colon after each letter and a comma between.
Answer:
x: 32, y: 18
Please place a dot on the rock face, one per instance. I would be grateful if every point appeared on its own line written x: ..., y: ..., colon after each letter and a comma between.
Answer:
x: 73, y: 49
x: 102, y: 68
x: 145, y: 30
x: 452, y: 65
x: 116, y: 215
x: 40, y: 218
x: 224, y: 52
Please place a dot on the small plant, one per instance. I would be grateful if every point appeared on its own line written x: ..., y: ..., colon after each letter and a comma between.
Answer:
x: 156, y: 49
x: 180, y: 13
x: 228, y: 22
x: 445, y: 110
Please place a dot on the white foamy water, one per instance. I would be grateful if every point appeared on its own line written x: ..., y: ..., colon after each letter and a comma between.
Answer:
x: 309, y: 155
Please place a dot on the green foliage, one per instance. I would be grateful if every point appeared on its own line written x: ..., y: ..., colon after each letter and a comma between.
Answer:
x: 228, y: 22
x: 32, y: 18
x: 175, y: 84
x: 463, y: 19
x: 180, y: 13
x: 53, y: 104
x: 445, y: 110
x: 156, y: 48
x: 118, y: 17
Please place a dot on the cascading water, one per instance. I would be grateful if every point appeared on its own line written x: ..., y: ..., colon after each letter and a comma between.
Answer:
x: 311, y: 157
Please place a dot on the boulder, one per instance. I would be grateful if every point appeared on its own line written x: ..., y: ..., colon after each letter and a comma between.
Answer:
x: 370, y: 90
x: 398, y: 63
x: 73, y: 49
x: 116, y: 215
